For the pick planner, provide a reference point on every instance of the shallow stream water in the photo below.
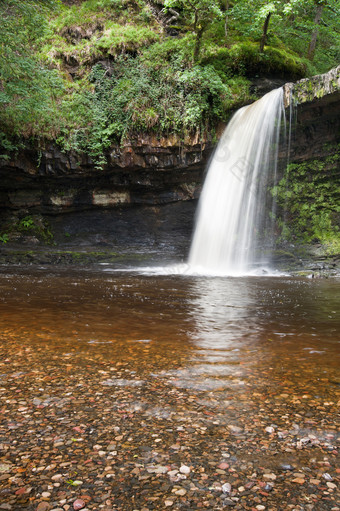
(226, 319)
(192, 355)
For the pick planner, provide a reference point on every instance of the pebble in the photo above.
(268, 487)
(235, 429)
(298, 480)
(119, 426)
(327, 476)
(269, 477)
(287, 467)
(184, 469)
(56, 477)
(181, 492)
(78, 504)
(43, 506)
(226, 488)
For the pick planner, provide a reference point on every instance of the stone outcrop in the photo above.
(146, 171)
(324, 87)
(314, 105)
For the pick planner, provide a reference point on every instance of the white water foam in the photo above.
(190, 271)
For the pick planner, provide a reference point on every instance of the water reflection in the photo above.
(247, 321)
(221, 309)
(214, 326)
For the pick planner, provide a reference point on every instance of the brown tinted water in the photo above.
(181, 357)
(224, 320)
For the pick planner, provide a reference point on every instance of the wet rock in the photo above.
(269, 477)
(184, 469)
(43, 506)
(268, 487)
(298, 480)
(327, 477)
(286, 467)
(78, 504)
(228, 502)
(226, 488)
(236, 430)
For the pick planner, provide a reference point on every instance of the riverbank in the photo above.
(301, 260)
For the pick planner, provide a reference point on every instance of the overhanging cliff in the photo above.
(315, 112)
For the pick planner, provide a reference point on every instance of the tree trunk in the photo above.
(226, 19)
(317, 19)
(264, 33)
(199, 33)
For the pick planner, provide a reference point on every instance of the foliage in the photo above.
(97, 71)
(244, 59)
(199, 14)
(133, 98)
(119, 39)
(292, 24)
(4, 238)
(29, 225)
(28, 91)
(308, 197)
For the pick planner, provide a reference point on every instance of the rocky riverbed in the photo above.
(118, 429)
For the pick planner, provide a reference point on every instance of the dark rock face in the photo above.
(146, 193)
(53, 182)
(317, 127)
(315, 105)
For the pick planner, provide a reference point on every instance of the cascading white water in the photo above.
(233, 224)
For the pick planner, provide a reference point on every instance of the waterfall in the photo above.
(234, 229)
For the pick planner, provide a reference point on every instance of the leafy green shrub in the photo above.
(28, 91)
(170, 54)
(4, 238)
(135, 98)
(87, 12)
(35, 225)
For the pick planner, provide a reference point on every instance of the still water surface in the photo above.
(208, 329)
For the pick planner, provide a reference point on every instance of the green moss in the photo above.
(308, 199)
(30, 225)
(244, 58)
(117, 39)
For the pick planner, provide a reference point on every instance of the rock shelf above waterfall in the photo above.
(326, 86)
